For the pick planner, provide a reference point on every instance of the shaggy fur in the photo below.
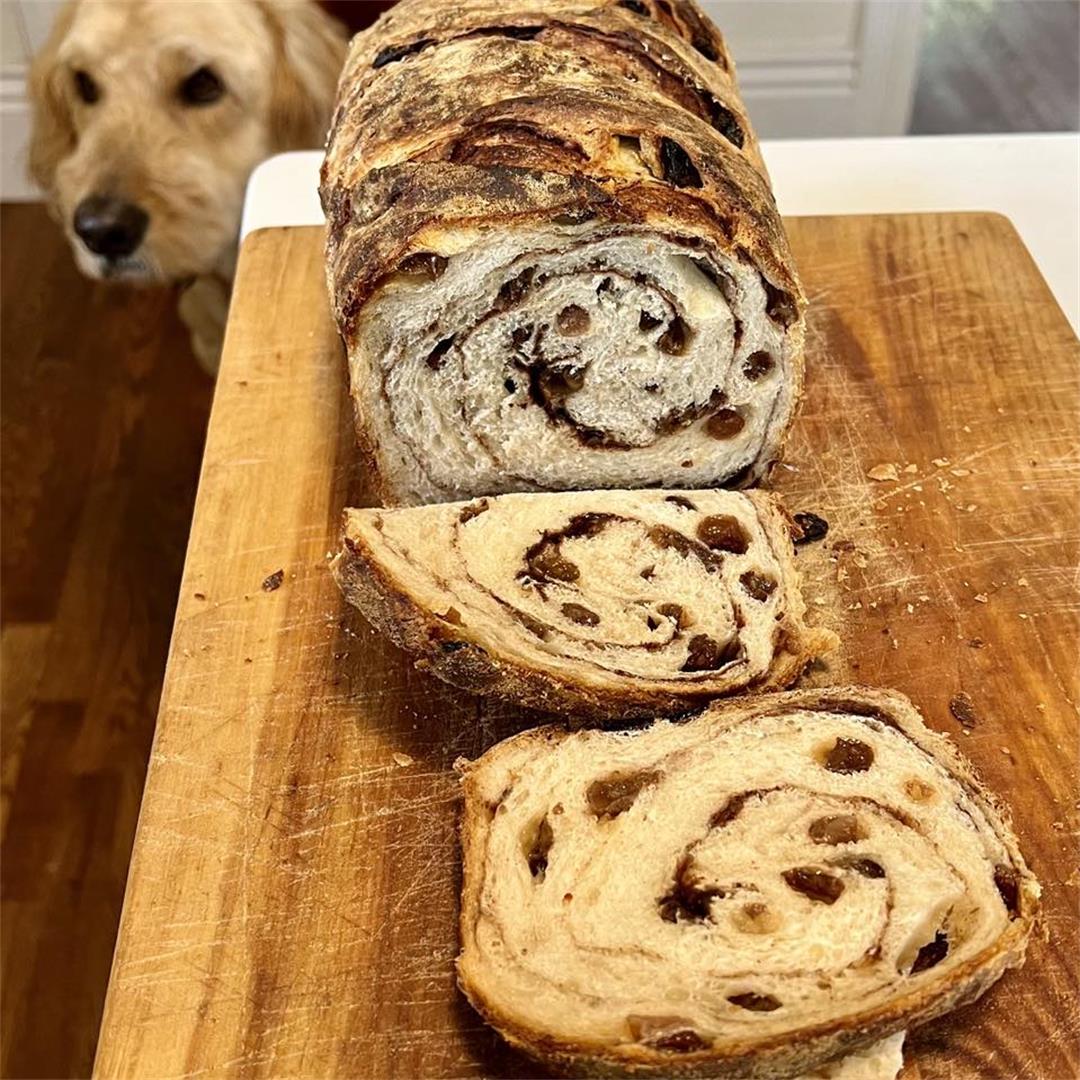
(186, 165)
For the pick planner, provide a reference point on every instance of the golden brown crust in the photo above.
(786, 1055)
(450, 654)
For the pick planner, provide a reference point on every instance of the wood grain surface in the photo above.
(292, 899)
(102, 413)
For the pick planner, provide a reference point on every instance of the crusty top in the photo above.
(477, 114)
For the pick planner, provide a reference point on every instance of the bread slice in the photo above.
(553, 252)
(776, 883)
(606, 604)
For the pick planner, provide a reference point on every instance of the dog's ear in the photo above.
(309, 51)
(53, 134)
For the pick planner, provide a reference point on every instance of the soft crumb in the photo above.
(970, 507)
(402, 759)
(960, 472)
(1023, 615)
(917, 487)
(940, 462)
(912, 468)
(883, 472)
(911, 609)
(1005, 750)
(966, 428)
(1022, 582)
(982, 598)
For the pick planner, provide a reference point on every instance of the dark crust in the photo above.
(783, 1055)
(447, 652)
(520, 133)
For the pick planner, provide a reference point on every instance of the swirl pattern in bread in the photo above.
(601, 603)
(754, 892)
(553, 251)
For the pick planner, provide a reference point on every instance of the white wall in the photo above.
(807, 68)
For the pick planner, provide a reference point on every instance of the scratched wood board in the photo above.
(292, 898)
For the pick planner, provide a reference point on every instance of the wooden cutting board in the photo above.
(292, 899)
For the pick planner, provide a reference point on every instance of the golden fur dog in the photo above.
(149, 116)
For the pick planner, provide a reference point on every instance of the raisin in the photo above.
(759, 586)
(756, 918)
(548, 564)
(722, 532)
(918, 790)
(675, 338)
(648, 572)
(706, 48)
(424, 264)
(474, 509)
(636, 6)
(573, 320)
(707, 654)
(963, 708)
(666, 1033)
(755, 1002)
(675, 612)
(1007, 881)
(678, 167)
(725, 424)
(779, 305)
(515, 290)
(647, 322)
(273, 581)
(837, 829)
(436, 356)
(931, 954)
(534, 626)
(723, 119)
(521, 334)
(811, 527)
(756, 365)
(818, 885)
(537, 849)
(581, 615)
(615, 794)
(687, 900)
(392, 53)
(849, 756)
(680, 501)
(869, 868)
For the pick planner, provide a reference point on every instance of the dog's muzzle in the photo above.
(110, 227)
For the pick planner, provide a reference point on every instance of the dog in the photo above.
(149, 116)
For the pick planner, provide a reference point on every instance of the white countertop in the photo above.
(1032, 179)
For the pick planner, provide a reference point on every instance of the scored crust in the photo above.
(632, 616)
(494, 167)
(549, 766)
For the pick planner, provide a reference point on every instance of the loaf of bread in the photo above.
(776, 883)
(604, 604)
(553, 252)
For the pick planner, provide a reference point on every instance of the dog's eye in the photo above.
(86, 88)
(201, 87)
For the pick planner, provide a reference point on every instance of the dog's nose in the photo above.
(109, 226)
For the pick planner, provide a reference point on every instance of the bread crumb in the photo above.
(883, 472)
(1022, 582)
(940, 462)
(970, 507)
(916, 487)
(1005, 750)
(982, 598)
(912, 468)
(402, 759)
(960, 472)
(1023, 615)
(966, 428)
(911, 609)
